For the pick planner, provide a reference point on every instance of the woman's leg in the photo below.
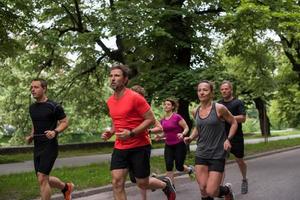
(201, 172)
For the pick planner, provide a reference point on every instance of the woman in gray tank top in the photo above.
(212, 143)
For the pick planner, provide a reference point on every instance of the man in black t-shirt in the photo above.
(48, 119)
(236, 107)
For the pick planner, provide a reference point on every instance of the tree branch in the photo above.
(73, 19)
(79, 17)
(209, 11)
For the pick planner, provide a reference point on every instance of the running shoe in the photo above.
(68, 193)
(230, 195)
(169, 190)
(191, 172)
(244, 186)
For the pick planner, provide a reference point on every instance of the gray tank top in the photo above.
(212, 135)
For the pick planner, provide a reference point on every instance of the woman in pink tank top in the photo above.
(174, 130)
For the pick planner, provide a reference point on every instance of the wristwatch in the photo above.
(131, 134)
(56, 132)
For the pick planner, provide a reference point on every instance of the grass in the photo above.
(11, 158)
(274, 133)
(96, 175)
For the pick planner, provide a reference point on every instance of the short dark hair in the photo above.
(228, 83)
(42, 81)
(124, 68)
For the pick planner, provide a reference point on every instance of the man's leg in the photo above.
(243, 167)
(66, 188)
(45, 188)
(56, 183)
(118, 182)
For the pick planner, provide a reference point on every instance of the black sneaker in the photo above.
(230, 195)
(169, 190)
(244, 186)
(191, 172)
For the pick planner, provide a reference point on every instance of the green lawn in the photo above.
(11, 158)
(96, 175)
(274, 133)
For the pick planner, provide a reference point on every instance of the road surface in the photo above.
(276, 176)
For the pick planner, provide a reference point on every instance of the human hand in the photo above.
(187, 140)
(123, 134)
(29, 139)
(180, 136)
(157, 137)
(227, 145)
(50, 134)
(106, 135)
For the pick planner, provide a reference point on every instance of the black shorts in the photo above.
(175, 153)
(44, 159)
(237, 148)
(217, 165)
(136, 160)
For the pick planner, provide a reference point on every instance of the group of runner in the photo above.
(217, 129)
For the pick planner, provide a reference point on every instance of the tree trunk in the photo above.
(264, 121)
(183, 110)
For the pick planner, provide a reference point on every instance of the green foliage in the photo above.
(287, 97)
(169, 45)
(251, 125)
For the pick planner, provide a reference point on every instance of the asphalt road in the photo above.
(276, 176)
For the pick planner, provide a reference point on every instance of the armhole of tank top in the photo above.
(215, 108)
(196, 113)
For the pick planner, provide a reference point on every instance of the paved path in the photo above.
(27, 166)
(270, 177)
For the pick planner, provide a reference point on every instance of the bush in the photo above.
(251, 125)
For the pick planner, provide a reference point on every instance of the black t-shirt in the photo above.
(236, 107)
(44, 116)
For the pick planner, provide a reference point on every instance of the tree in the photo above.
(168, 44)
(251, 20)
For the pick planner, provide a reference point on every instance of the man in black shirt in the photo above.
(236, 107)
(48, 119)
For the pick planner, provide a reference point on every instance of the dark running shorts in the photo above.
(44, 160)
(217, 165)
(237, 149)
(136, 160)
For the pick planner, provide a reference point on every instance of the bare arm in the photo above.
(240, 118)
(29, 138)
(194, 135)
(185, 127)
(62, 125)
(148, 121)
(157, 128)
